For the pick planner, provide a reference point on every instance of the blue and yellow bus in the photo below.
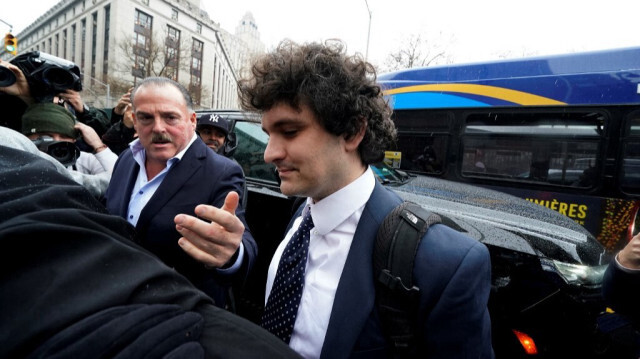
(561, 131)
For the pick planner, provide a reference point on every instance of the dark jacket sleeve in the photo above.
(236, 181)
(621, 291)
(458, 293)
(118, 137)
(96, 119)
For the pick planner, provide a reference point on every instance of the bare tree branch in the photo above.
(416, 51)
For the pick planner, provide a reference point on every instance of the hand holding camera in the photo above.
(123, 102)
(39, 76)
(13, 82)
(73, 98)
(90, 137)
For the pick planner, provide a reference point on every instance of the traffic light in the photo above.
(11, 44)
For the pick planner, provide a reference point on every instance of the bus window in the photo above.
(422, 153)
(424, 121)
(423, 138)
(546, 148)
(630, 176)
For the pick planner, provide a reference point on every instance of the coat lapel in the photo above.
(355, 295)
(126, 183)
(173, 182)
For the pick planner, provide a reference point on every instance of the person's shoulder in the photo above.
(220, 162)
(125, 155)
(125, 159)
(381, 202)
(444, 241)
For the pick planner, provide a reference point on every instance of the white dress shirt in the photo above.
(335, 219)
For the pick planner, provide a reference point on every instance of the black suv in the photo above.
(546, 269)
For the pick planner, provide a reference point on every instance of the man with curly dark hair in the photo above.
(327, 120)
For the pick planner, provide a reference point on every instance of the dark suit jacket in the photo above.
(201, 177)
(453, 273)
(621, 291)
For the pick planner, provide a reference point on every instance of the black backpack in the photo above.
(397, 242)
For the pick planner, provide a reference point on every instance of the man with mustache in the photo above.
(168, 170)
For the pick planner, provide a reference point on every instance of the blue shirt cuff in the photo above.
(237, 264)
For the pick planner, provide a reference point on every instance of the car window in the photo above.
(252, 142)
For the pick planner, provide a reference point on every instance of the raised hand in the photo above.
(215, 236)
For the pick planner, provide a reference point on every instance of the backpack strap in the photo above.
(397, 243)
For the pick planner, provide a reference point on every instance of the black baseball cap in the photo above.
(214, 120)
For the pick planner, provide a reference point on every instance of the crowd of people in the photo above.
(137, 230)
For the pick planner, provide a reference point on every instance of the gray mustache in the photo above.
(160, 138)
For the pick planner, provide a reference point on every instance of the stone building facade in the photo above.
(118, 42)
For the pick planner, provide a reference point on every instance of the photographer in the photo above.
(121, 133)
(91, 116)
(47, 124)
(42, 77)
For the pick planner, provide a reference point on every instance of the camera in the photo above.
(46, 74)
(65, 152)
(7, 78)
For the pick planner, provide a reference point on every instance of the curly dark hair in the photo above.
(340, 90)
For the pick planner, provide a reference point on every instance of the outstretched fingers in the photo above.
(215, 236)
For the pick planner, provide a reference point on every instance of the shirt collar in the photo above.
(334, 209)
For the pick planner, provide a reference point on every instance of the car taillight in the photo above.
(527, 342)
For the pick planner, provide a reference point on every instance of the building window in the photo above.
(105, 55)
(141, 43)
(83, 42)
(172, 53)
(174, 14)
(199, 28)
(73, 42)
(198, 46)
(94, 43)
(195, 83)
(64, 43)
(143, 20)
(173, 34)
(55, 45)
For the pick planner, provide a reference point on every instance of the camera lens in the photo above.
(58, 79)
(7, 78)
(65, 152)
